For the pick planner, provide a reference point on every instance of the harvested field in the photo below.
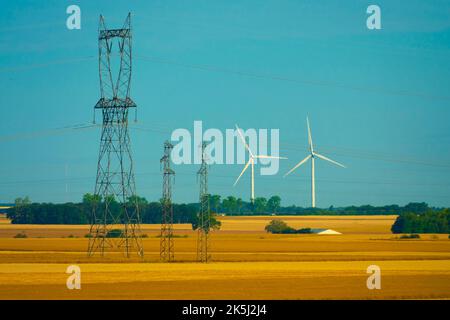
(261, 265)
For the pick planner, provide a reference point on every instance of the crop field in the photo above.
(3, 219)
(247, 263)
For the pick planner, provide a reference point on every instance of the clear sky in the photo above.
(378, 100)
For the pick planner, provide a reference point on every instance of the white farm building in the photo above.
(324, 231)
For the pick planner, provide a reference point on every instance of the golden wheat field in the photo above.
(247, 263)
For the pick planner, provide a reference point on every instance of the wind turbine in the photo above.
(251, 161)
(312, 155)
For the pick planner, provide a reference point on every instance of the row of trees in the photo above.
(26, 212)
(413, 217)
(425, 222)
(236, 206)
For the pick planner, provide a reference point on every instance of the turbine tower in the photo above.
(312, 155)
(251, 161)
(115, 205)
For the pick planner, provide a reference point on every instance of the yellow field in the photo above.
(343, 224)
(3, 219)
(247, 263)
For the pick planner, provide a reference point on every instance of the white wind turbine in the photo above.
(312, 155)
(251, 161)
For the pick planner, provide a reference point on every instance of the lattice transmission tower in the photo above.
(166, 247)
(204, 215)
(115, 216)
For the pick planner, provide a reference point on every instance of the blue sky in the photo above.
(378, 101)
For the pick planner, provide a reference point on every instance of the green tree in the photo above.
(114, 207)
(399, 224)
(21, 212)
(140, 201)
(230, 204)
(274, 204)
(416, 207)
(428, 222)
(91, 199)
(214, 224)
(278, 226)
(215, 202)
(239, 204)
(260, 205)
(22, 201)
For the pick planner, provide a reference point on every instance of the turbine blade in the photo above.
(311, 148)
(242, 172)
(328, 159)
(243, 140)
(298, 165)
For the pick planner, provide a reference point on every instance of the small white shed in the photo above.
(324, 231)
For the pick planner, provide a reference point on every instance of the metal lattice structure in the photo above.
(204, 215)
(117, 206)
(166, 247)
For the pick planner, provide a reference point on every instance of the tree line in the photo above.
(27, 212)
(262, 206)
(430, 221)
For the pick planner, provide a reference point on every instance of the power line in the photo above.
(368, 155)
(192, 173)
(45, 64)
(43, 133)
(342, 151)
(217, 69)
(48, 132)
(284, 189)
(324, 41)
(347, 152)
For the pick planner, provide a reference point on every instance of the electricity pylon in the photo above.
(115, 205)
(204, 215)
(166, 247)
